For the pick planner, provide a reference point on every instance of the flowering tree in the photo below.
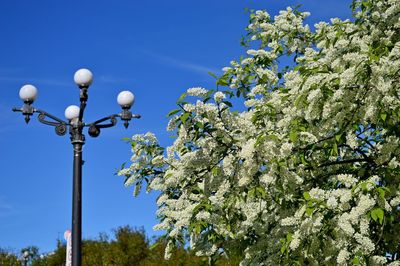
(309, 173)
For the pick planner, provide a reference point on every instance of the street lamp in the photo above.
(26, 257)
(75, 125)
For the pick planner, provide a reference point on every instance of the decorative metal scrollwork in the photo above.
(60, 125)
(61, 129)
(41, 117)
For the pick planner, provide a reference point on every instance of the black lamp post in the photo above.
(75, 125)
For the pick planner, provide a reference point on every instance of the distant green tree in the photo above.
(96, 252)
(128, 247)
(55, 258)
(8, 258)
(180, 256)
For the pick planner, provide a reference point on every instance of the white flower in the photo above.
(197, 91)
(317, 193)
(347, 180)
(203, 215)
(395, 202)
(295, 243)
(259, 89)
(219, 96)
(267, 179)
(343, 257)
(250, 103)
(248, 149)
(351, 140)
(125, 171)
(289, 221)
(367, 245)
(286, 148)
(379, 260)
(332, 202)
(168, 250)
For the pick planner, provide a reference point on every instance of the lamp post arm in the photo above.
(112, 119)
(97, 123)
(94, 127)
(43, 114)
(59, 125)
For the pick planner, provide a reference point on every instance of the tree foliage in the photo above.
(7, 258)
(307, 172)
(128, 247)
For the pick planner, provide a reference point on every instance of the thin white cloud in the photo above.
(5, 208)
(36, 81)
(175, 62)
(113, 79)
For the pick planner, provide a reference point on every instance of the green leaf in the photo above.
(293, 136)
(182, 97)
(184, 116)
(173, 112)
(137, 189)
(337, 137)
(334, 151)
(383, 116)
(381, 192)
(303, 159)
(283, 249)
(261, 191)
(356, 261)
(374, 57)
(260, 139)
(299, 100)
(199, 125)
(309, 211)
(306, 196)
(196, 190)
(251, 193)
(377, 214)
(272, 137)
(228, 103)
(206, 99)
(222, 81)
(212, 75)
(215, 171)
(154, 245)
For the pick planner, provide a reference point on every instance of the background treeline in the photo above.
(129, 247)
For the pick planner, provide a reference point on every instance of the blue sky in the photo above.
(156, 49)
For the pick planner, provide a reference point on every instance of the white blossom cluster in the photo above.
(309, 174)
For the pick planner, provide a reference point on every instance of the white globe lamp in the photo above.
(83, 77)
(126, 99)
(72, 112)
(28, 93)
